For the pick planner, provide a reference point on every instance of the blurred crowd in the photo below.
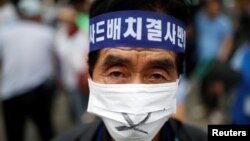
(44, 47)
(217, 56)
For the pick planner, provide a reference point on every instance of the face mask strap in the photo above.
(133, 126)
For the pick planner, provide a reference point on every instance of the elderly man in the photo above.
(136, 56)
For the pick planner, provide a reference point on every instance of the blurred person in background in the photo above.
(7, 13)
(240, 101)
(240, 107)
(72, 50)
(27, 86)
(214, 40)
(214, 32)
(52, 9)
(82, 13)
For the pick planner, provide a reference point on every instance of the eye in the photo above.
(116, 74)
(157, 76)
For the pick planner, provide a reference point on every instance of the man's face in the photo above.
(135, 65)
(213, 8)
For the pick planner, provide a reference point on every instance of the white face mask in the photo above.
(133, 112)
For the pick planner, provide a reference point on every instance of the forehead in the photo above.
(137, 53)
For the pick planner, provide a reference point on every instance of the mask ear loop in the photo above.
(133, 126)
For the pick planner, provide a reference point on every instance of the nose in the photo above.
(136, 79)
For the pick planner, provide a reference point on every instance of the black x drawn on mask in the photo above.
(133, 126)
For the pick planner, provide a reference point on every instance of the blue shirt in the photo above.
(210, 34)
(240, 110)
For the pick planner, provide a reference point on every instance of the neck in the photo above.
(157, 137)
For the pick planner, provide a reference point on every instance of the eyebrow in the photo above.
(165, 64)
(112, 60)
